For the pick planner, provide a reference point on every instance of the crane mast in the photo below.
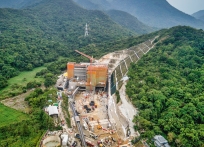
(91, 61)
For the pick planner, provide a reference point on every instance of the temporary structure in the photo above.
(52, 110)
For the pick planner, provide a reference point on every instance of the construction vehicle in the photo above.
(99, 127)
(100, 143)
(85, 125)
(94, 136)
(89, 143)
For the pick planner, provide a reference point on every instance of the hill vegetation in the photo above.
(167, 87)
(41, 33)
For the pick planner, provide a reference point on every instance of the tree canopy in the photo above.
(167, 87)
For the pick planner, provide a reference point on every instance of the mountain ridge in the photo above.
(199, 15)
(129, 21)
(157, 13)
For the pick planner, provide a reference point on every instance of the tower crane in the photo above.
(87, 56)
(91, 61)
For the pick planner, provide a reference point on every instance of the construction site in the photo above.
(96, 118)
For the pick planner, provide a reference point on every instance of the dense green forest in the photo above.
(166, 85)
(41, 33)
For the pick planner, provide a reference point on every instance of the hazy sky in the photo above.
(188, 6)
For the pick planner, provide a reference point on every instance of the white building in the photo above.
(52, 110)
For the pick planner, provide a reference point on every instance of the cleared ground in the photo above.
(18, 102)
(9, 115)
(21, 80)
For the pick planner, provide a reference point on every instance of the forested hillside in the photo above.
(43, 32)
(166, 85)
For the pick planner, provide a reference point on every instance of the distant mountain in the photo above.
(129, 21)
(123, 18)
(199, 15)
(94, 4)
(88, 4)
(157, 13)
(202, 18)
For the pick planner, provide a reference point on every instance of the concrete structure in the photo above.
(87, 75)
(62, 82)
(160, 141)
(51, 141)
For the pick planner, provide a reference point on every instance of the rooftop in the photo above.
(160, 139)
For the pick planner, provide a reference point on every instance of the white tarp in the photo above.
(52, 110)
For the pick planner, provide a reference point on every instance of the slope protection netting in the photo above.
(133, 53)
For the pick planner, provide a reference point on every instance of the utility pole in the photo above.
(86, 31)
